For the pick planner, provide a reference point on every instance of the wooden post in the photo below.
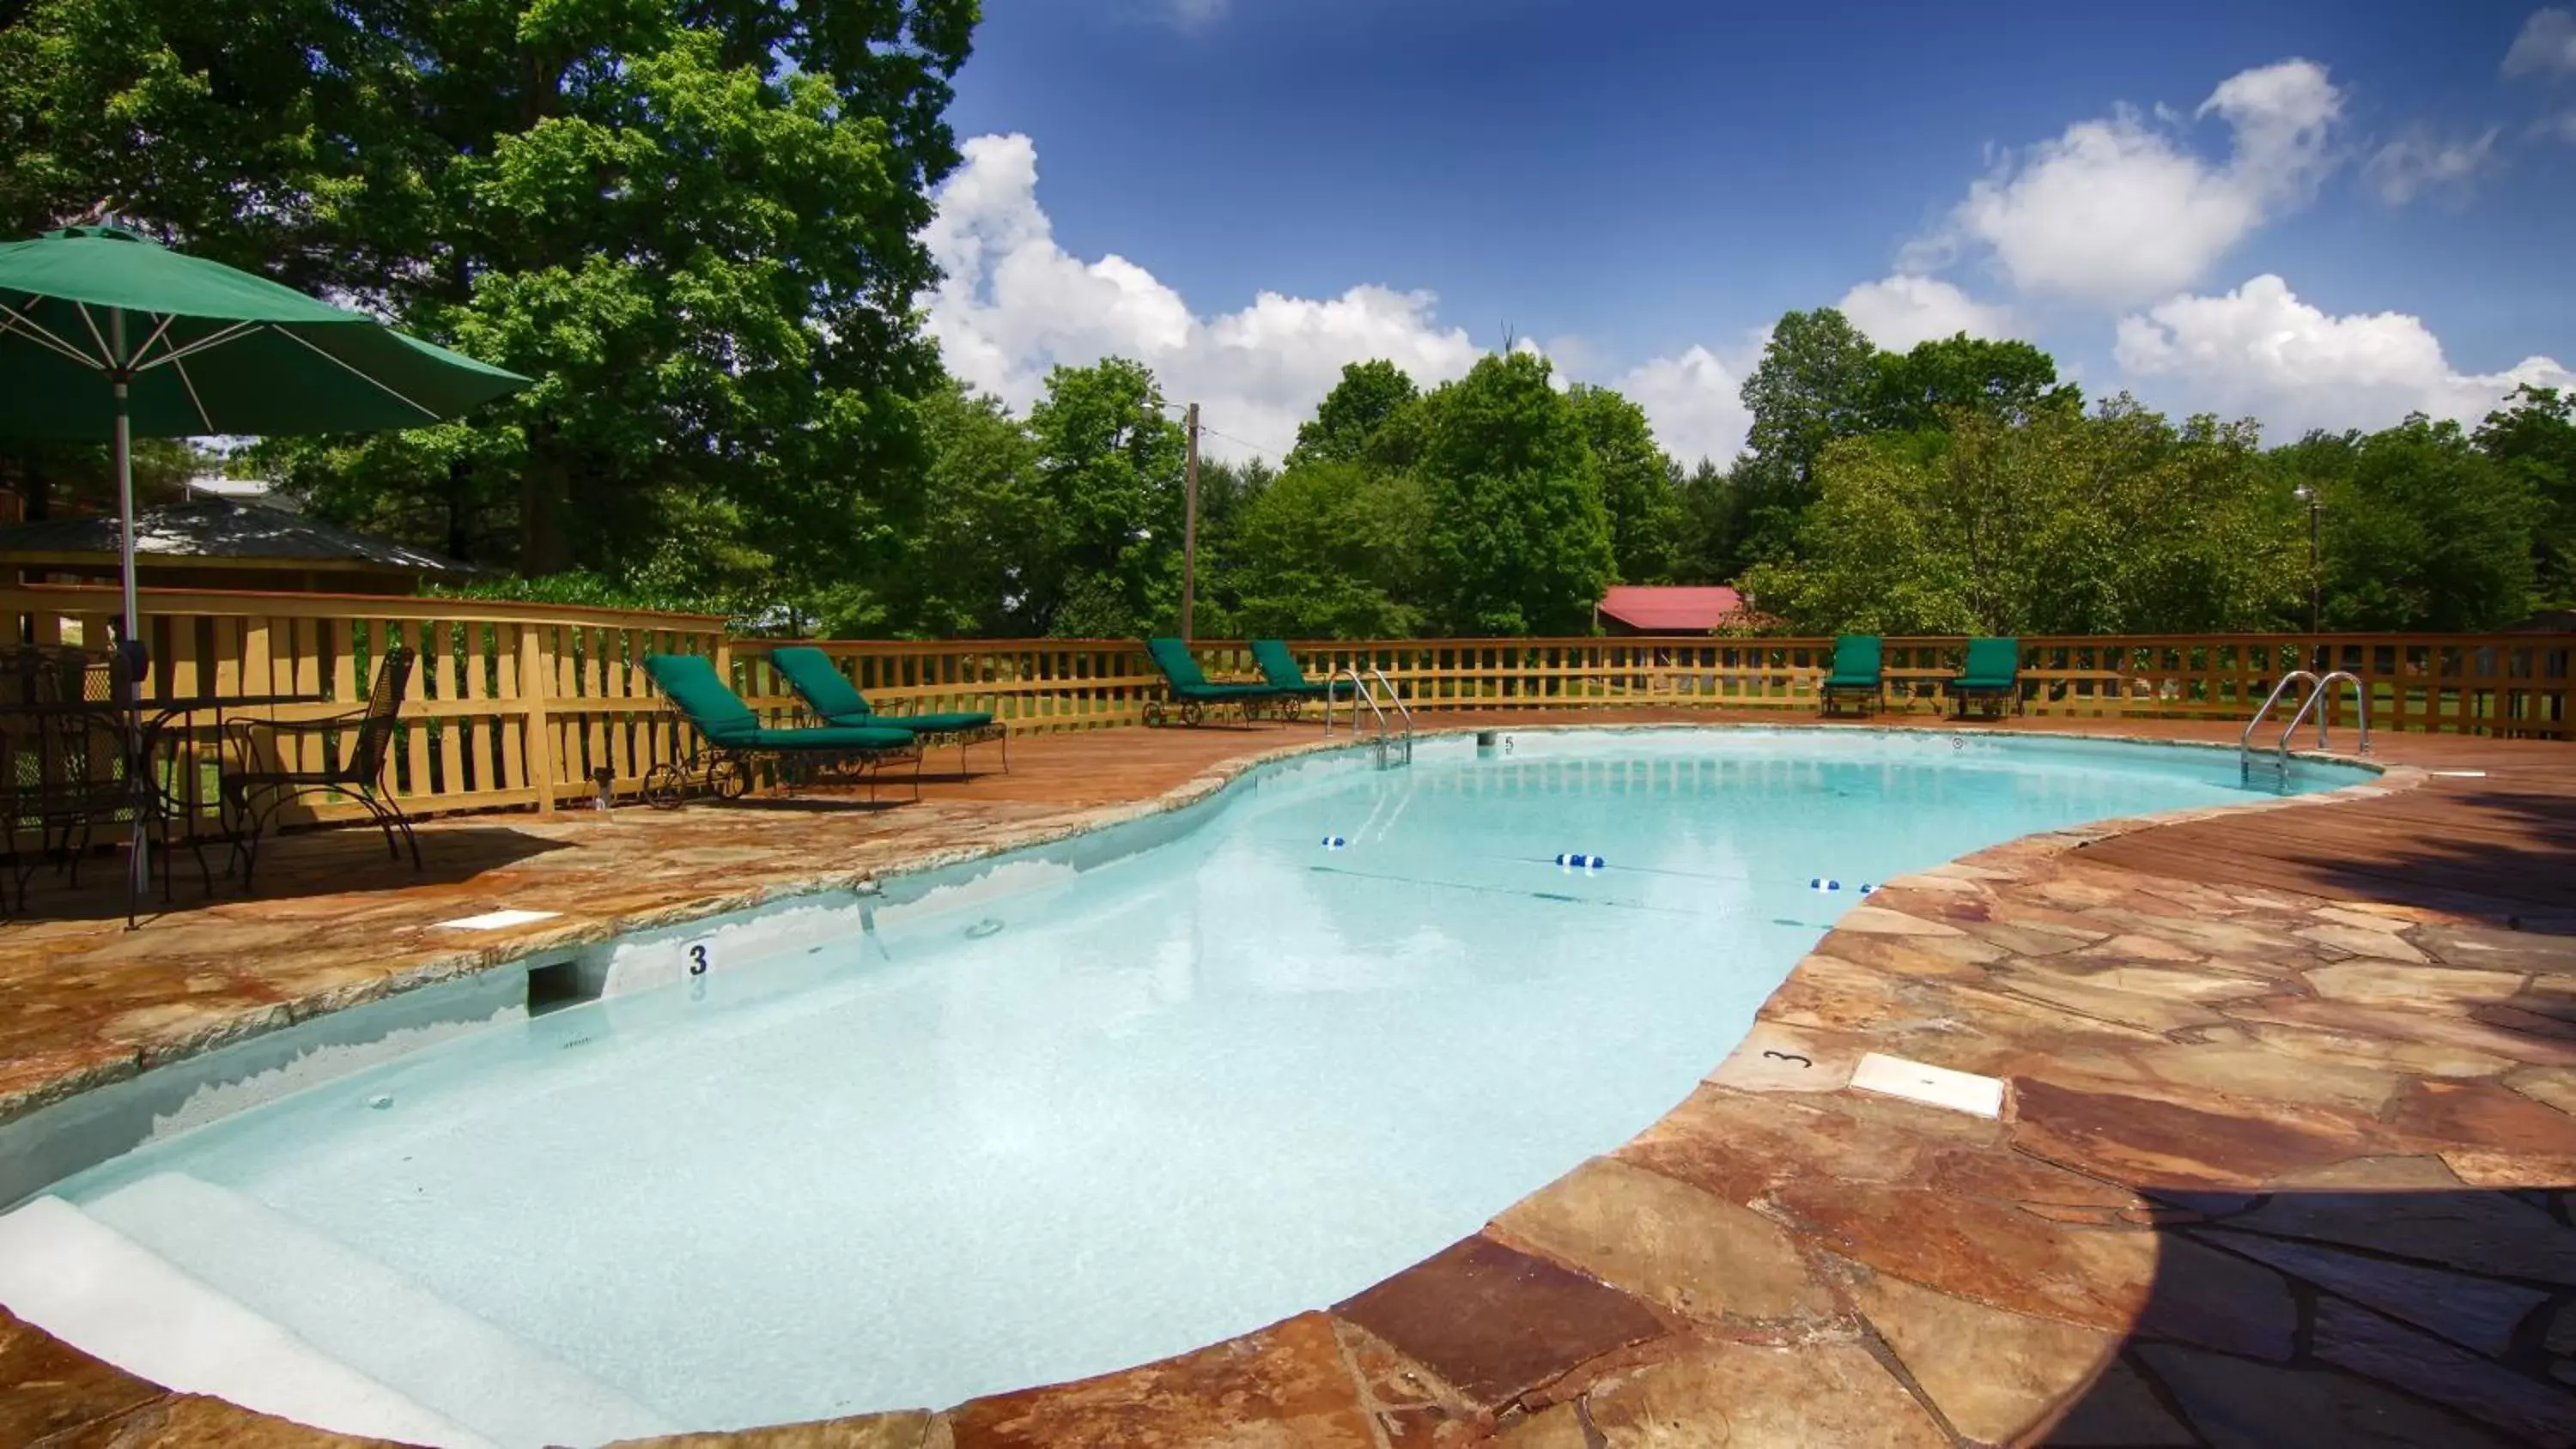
(536, 680)
(1190, 531)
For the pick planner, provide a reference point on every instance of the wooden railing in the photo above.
(2515, 684)
(516, 704)
(510, 704)
(2511, 684)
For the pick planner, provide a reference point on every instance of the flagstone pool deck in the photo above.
(2285, 1155)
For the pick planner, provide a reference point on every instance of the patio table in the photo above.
(155, 721)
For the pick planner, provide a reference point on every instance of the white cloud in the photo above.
(1694, 402)
(2560, 127)
(2260, 350)
(2417, 164)
(2117, 210)
(1899, 311)
(1015, 304)
(2546, 46)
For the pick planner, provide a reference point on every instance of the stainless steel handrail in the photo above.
(2325, 691)
(1362, 693)
(1403, 711)
(2245, 741)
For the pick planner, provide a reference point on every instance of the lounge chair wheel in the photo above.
(1289, 709)
(663, 785)
(1192, 712)
(727, 779)
(1153, 714)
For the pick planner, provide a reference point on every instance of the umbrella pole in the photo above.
(138, 771)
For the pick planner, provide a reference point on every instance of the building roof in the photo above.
(1671, 608)
(224, 529)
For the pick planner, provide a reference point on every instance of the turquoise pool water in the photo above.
(1075, 1119)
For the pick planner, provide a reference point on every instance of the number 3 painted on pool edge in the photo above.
(698, 959)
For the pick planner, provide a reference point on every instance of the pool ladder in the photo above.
(2320, 691)
(1392, 749)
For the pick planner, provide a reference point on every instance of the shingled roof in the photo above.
(224, 528)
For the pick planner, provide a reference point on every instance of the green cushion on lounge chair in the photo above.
(1992, 664)
(1856, 662)
(1280, 668)
(829, 693)
(690, 682)
(1188, 681)
(827, 737)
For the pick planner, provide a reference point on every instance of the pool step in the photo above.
(379, 1322)
(91, 1286)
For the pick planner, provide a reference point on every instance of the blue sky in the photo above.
(2317, 214)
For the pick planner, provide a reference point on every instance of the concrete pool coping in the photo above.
(1801, 1260)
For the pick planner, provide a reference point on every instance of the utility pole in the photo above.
(2316, 565)
(1190, 527)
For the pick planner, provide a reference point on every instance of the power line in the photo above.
(1261, 448)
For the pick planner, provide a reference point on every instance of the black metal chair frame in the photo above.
(1992, 700)
(724, 771)
(252, 798)
(70, 746)
(996, 732)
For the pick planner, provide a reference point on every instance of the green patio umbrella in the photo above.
(104, 335)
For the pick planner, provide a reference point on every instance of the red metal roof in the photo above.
(1670, 608)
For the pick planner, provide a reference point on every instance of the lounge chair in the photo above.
(1856, 672)
(734, 738)
(836, 701)
(1281, 670)
(1992, 677)
(1192, 693)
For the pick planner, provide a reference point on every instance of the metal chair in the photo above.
(65, 760)
(253, 797)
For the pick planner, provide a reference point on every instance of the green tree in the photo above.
(986, 531)
(2059, 523)
(2421, 530)
(1519, 542)
(1715, 520)
(2006, 380)
(1109, 478)
(695, 222)
(1351, 415)
(1817, 381)
(1636, 484)
(2535, 439)
(1333, 550)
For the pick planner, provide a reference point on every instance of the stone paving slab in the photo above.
(2276, 1167)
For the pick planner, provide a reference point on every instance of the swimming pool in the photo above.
(1057, 1113)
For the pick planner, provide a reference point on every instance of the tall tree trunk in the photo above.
(543, 547)
(460, 511)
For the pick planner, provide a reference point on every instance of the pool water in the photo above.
(1010, 1138)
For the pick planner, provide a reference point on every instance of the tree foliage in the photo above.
(694, 222)
(1333, 550)
(1109, 465)
(1349, 419)
(1519, 541)
(2059, 524)
(2420, 530)
(1636, 484)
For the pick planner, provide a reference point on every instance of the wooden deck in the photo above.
(2287, 1156)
